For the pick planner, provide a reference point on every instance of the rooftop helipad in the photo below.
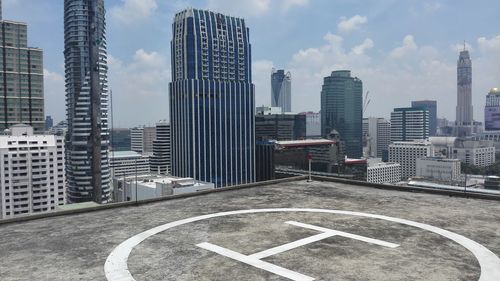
(286, 231)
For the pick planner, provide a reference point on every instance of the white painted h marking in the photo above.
(255, 259)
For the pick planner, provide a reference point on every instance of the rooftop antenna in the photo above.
(464, 45)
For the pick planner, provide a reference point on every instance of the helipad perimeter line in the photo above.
(116, 268)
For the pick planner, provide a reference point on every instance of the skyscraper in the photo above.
(87, 139)
(281, 90)
(431, 106)
(377, 134)
(212, 99)
(160, 160)
(409, 123)
(492, 111)
(21, 78)
(464, 119)
(341, 110)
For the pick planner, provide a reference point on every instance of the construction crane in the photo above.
(366, 102)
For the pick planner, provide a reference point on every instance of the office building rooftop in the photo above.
(294, 230)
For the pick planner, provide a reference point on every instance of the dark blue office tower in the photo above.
(212, 99)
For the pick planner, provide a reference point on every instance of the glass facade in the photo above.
(212, 99)
(21, 78)
(281, 90)
(341, 110)
(87, 139)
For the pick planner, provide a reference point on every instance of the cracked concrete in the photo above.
(75, 247)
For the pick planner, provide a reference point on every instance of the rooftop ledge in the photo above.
(287, 229)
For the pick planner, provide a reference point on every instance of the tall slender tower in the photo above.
(21, 78)
(341, 110)
(212, 100)
(464, 120)
(281, 90)
(87, 139)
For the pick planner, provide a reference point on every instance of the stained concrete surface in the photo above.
(75, 247)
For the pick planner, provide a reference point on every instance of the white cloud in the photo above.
(347, 25)
(432, 7)
(131, 11)
(140, 86)
(261, 73)
(288, 4)
(489, 45)
(240, 8)
(408, 72)
(54, 95)
(360, 49)
(408, 46)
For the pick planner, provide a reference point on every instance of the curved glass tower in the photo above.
(281, 90)
(212, 101)
(87, 139)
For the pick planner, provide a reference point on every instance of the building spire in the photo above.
(464, 41)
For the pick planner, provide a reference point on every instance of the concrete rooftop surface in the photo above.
(286, 231)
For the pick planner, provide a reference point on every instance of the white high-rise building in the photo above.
(377, 136)
(31, 172)
(160, 160)
(383, 172)
(128, 163)
(406, 153)
(409, 123)
(439, 168)
(141, 139)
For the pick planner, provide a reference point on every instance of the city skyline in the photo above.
(418, 63)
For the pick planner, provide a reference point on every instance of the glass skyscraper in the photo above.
(341, 110)
(212, 100)
(21, 78)
(281, 90)
(87, 139)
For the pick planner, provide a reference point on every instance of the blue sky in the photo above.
(403, 50)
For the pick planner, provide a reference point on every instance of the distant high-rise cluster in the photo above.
(341, 110)
(87, 139)
(281, 90)
(212, 100)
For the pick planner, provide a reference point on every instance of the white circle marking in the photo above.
(116, 268)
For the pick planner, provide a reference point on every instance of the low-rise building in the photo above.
(492, 182)
(476, 153)
(406, 153)
(151, 186)
(128, 163)
(439, 169)
(326, 154)
(383, 172)
(280, 127)
(31, 172)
